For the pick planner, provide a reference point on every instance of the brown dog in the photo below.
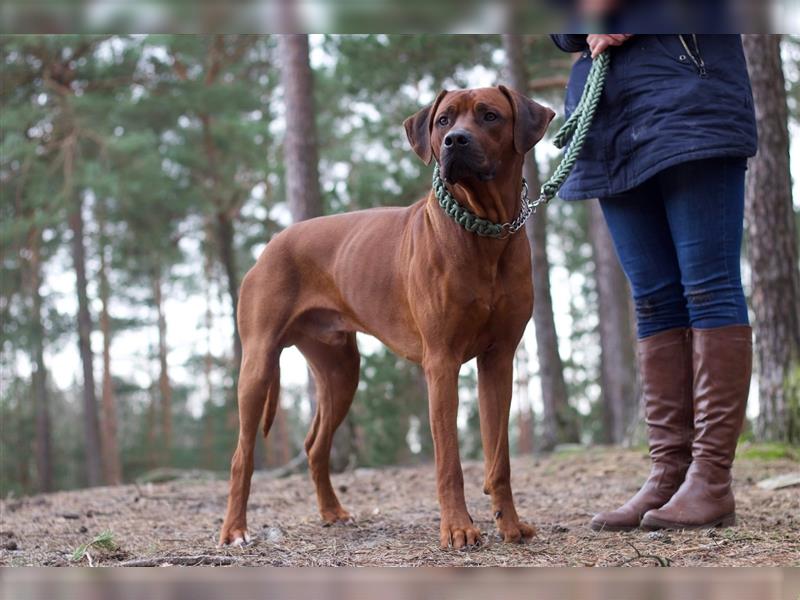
(429, 289)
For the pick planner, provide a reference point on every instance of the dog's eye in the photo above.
(443, 120)
(490, 116)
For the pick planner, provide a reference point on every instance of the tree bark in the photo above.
(41, 397)
(111, 459)
(152, 420)
(164, 386)
(559, 424)
(620, 394)
(208, 359)
(91, 422)
(302, 176)
(772, 247)
(225, 238)
(300, 141)
(525, 414)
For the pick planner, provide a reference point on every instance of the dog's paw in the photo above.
(459, 535)
(334, 515)
(235, 537)
(515, 531)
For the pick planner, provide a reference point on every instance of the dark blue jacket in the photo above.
(662, 105)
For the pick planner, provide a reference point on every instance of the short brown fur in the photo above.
(431, 291)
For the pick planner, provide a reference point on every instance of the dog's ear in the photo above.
(531, 119)
(418, 129)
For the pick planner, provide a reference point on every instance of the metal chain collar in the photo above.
(475, 224)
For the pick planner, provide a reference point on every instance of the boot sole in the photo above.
(607, 527)
(654, 523)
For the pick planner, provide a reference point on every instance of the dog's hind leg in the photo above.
(259, 381)
(335, 368)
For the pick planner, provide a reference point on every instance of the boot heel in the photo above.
(728, 520)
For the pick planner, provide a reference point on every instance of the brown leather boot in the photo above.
(665, 360)
(723, 359)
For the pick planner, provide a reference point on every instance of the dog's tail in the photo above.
(273, 396)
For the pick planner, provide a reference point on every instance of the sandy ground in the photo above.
(397, 520)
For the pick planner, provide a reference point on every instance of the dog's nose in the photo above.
(457, 137)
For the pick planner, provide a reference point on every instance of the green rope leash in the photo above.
(575, 129)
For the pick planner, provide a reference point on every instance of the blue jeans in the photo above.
(678, 237)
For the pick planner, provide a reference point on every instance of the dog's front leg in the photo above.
(456, 526)
(495, 379)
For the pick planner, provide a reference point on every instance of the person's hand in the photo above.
(600, 41)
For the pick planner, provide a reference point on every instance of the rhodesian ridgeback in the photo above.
(431, 290)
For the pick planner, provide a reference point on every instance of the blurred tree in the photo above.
(558, 426)
(302, 178)
(772, 247)
(618, 370)
(387, 398)
(113, 467)
(73, 141)
(525, 420)
(24, 239)
(301, 159)
(217, 97)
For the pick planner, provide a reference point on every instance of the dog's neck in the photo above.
(498, 200)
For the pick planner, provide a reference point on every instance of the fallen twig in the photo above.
(186, 561)
(661, 560)
(712, 546)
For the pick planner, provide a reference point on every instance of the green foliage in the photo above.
(389, 402)
(767, 451)
(103, 542)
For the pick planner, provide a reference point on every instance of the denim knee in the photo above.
(717, 305)
(660, 311)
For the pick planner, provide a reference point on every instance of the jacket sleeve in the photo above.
(570, 42)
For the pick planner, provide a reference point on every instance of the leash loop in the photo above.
(576, 128)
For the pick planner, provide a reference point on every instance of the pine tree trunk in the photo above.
(152, 425)
(91, 422)
(772, 247)
(423, 413)
(22, 441)
(111, 458)
(525, 414)
(164, 386)
(41, 397)
(208, 360)
(618, 368)
(559, 423)
(300, 141)
(302, 177)
(225, 237)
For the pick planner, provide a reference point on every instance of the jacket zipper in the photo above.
(697, 59)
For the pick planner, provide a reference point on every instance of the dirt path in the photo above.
(397, 520)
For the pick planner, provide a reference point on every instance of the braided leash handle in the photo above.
(576, 128)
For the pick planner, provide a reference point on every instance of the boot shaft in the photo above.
(665, 361)
(722, 361)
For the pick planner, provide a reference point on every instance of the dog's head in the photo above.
(474, 133)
